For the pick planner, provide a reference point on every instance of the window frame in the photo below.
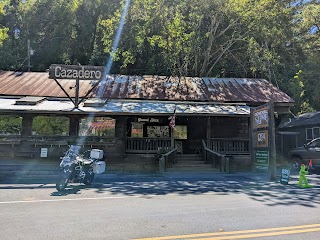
(312, 133)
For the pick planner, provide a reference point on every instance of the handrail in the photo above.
(215, 158)
(168, 153)
(209, 150)
(167, 160)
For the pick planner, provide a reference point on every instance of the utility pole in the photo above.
(29, 54)
(29, 60)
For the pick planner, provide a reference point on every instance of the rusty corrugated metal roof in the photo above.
(148, 87)
(37, 84)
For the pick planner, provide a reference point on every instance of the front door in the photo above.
(196, 131)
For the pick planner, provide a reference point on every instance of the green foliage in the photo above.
(307, 29)
(268, 39)
(10, 124)
(297, 89)
(44, 125)
(305, 108)
(3, 29)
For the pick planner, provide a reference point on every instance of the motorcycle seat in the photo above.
(85, 161)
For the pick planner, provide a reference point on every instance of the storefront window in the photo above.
(158, 131)
(180, 132)
(137, 129)
(97, 126)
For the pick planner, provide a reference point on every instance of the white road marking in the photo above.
(104, 198)
(68, 199)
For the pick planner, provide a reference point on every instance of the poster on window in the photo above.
(137, 129)
(158, 131)
(180, 132)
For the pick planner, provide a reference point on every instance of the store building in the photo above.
(131, 119)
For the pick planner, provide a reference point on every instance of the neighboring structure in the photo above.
(130, 120)
(297, 131)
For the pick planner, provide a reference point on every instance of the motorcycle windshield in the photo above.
(66, 161)
(75, 149)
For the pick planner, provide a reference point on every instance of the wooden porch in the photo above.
(213, 152)
(228, 146)
(220, 153)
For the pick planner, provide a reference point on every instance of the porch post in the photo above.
(27, 120)
(251, 142)
(74, 125)
(172, 139)
(273, 157)
(208, 132)
(121, 134)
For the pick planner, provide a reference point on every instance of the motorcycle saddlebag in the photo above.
(99, 167)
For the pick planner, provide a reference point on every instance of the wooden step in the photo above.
(188, 158)
(191, 163)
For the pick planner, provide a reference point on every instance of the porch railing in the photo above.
(38, 140)
(215, 159)
(230, 145)
(147, 145)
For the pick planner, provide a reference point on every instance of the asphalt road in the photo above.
(153, 208)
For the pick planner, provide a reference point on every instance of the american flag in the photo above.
(172, 119)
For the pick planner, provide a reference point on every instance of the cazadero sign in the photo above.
(57, 71)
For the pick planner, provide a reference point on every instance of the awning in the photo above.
(181, 108)
(127, 107)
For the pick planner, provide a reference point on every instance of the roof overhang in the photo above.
(126, 107)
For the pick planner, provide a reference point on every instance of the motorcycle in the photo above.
(76, 168)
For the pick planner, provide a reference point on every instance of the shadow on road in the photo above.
(266, 192)
(269, 193)
(69, 190)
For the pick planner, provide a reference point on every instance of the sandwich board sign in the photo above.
(285, 175)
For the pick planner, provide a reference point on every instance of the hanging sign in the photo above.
(260, 118)
(263, 146)
(262, 139)
(57, 71)
(262, 157)
(152, 120)
(262, 160)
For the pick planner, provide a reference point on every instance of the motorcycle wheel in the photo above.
(62, 183)
(88, 179)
